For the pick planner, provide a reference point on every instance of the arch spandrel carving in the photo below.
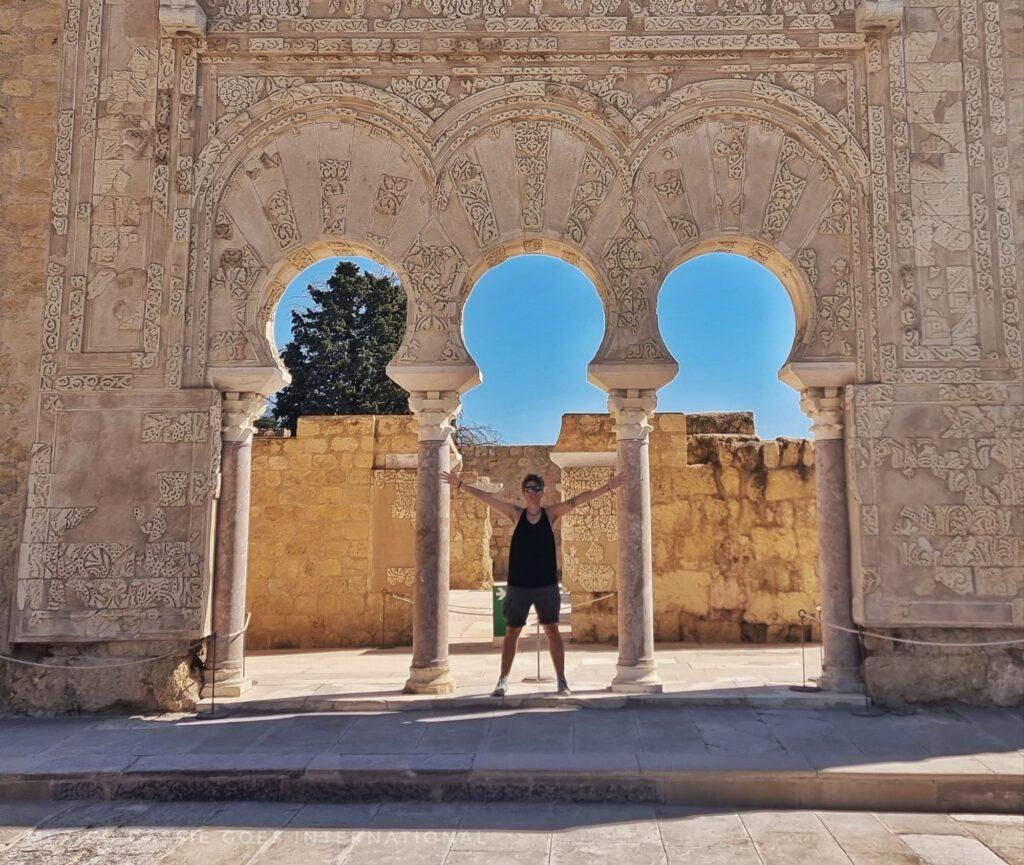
(323, 185)
(739, 182)
(522, 177)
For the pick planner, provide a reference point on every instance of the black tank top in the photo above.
(531, 556)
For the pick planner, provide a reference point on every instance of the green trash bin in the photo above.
(497, 602)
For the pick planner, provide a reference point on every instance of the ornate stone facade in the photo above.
(203, 151)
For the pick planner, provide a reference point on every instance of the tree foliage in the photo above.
(340, 347)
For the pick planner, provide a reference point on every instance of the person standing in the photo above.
(532, 566)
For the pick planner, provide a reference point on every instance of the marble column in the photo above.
(430, 672)
(231, 557)
(841, 662)
(635, 670)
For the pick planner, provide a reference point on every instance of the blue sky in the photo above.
(534, 322)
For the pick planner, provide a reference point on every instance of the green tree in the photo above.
(340, 347)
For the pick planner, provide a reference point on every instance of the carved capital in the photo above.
(879, 16)
(435, 411)
(824, 406)
(240, 410)
(631, 410)
(182, 19)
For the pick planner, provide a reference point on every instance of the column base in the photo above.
(636, 680)
(228, 684)
(842, 680)
(429, 680)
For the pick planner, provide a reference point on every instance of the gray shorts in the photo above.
(518, 600)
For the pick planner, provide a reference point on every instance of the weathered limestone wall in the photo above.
(311, 532)
(505, 466)
(29, 63)
(735, 554)
(735, 540)
(733, 530)
(32, 35)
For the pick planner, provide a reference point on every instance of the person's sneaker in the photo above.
(563, 687)
(499, 689)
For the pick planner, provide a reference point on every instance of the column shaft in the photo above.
(841, 664)
(430, 672)
(229, 571)
(226, 659)
(636, 670)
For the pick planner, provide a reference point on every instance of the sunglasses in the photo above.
(533, 489)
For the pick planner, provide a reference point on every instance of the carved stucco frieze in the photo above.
(114, 545)
(935, 472)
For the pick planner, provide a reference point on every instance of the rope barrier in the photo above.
(130, 663)
(467, 611)
(592, 601)
(804, 613)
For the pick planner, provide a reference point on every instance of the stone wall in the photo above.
(504, 467)
(735, 546)
(871, 158)
(30, 58)
(733, 530)
(311, 531)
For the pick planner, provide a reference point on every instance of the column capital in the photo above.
(824, 406)
(239, 410)
(434, 411)
(182, 19)
(631, 410)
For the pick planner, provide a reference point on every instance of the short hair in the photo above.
(535, 478)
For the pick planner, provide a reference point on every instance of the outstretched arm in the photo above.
(562, 508)
(493, 502)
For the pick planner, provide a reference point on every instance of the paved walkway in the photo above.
(352, 679)
(253, 833)
(945, 760)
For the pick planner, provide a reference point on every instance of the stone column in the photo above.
(841, 663)
(635, 671)
(430, 672)
(232, 545)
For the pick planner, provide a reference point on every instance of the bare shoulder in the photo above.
(558, 509)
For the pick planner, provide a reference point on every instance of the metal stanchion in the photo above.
(213, 677)
(803, 657)
(538, 677)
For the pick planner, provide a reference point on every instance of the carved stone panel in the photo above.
(115, 544)
(393, 545)
(936, 477)
(589, 533)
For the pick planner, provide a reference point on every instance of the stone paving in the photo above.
(474, 833)
(349, 679)
(944, 759)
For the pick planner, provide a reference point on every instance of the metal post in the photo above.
(538, 677)
(213, 679)
(870, 710)
(803, 656)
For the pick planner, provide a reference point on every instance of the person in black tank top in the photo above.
(532, 567)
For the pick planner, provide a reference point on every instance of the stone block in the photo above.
(717, 423)
(785, 485)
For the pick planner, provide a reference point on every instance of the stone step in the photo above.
(750, 781)
(398, 702)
